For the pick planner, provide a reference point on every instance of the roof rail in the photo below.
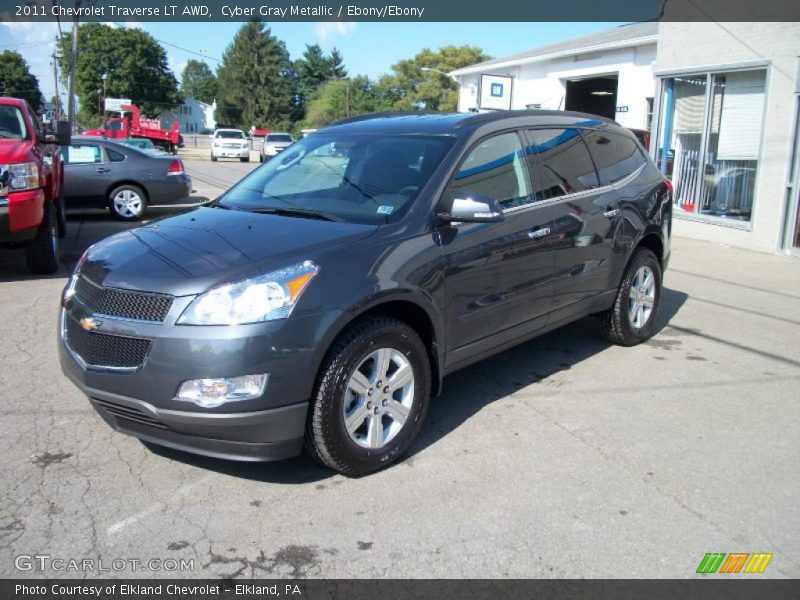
(501, 114)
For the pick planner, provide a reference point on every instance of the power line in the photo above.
(219, 60)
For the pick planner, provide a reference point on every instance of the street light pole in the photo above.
(448, 75)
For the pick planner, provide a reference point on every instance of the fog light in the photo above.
(210, 393)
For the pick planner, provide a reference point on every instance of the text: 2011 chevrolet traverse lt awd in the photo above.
(321, 300)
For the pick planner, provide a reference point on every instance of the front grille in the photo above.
(128, 413)
(105, 350)
(123, 303)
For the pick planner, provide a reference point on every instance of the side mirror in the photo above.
(474, 208)
(63, 135)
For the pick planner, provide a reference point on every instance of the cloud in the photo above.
(328, 30)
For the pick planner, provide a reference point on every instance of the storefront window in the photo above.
(709, 141)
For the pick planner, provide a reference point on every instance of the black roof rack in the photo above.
(503, 114)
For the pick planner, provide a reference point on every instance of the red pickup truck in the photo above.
(31, 175)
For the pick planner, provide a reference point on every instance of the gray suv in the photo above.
(320, 302)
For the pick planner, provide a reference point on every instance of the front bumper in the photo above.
(140, 401)
(230, 152)
(21, 214)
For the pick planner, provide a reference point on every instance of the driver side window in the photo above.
(495, 168)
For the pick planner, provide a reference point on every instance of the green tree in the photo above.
(415, 89)
(256, 80)
(314, 69)
(18, 79)
(135, 66)
(197, 81)
(338, 99)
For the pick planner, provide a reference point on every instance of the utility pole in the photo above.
(55, 82)
(73, 59)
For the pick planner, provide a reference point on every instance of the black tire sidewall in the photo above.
(43, 250)
(134, 188)
(364, 460)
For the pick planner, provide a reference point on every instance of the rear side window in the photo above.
(560, 163)
(615, 155)
(115, 156)
(496, 168)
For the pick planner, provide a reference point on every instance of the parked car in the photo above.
(273, 144)
(99, 173)
(230, 143)
(322, 299)
(144, 145)
(31, 175)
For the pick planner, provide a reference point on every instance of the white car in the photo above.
(273, 143)
(230, 143)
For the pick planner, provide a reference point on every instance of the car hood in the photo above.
(193, 252)
(15, 151)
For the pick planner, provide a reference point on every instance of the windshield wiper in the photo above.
(297, 212)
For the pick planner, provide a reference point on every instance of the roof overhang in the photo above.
(516, 62)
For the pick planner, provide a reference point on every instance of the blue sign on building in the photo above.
(497, 90)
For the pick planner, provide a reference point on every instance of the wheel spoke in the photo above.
(397, 411)
(359, 383)
(402, 377)
(383, 359)
(640, 316)
(356, 418)
(648, 281)
(648, 301)
(375, 432)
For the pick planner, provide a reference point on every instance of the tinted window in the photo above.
(83, 154)
(564, 163)
(233, 135)
(494, 168)
(615, 155)
(360, 178)
(115, 126)
(115, 156)
(279, 137)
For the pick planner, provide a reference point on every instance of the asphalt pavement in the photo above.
(563, 457)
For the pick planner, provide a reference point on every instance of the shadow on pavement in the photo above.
(496, 377)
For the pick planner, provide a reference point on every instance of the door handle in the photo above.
(611, 212)
(539, 233)
(102, 170)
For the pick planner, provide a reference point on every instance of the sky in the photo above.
(368, 48)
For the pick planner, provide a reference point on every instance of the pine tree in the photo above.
(255, 80)
(197, 81)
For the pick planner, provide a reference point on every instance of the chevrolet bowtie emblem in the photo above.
(89, 324)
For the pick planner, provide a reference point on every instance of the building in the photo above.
(727, 131)
(193, 116)
(609, 73)
(721, 102)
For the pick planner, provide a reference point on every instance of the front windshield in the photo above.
(12, 124)
(235, 135)
(352, 177)
(279, 137)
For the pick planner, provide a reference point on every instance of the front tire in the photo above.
(213, 158)
(41, 253)
(128, 202)
(631, 320)
(243, 159)
(371, 397)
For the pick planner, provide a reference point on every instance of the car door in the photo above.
(498, 276)
(86, 171)
(582, 225)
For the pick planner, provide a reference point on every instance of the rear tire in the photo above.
(41, 253)
(61, 217)
(383, 420)
(631, 320)
(128, 202)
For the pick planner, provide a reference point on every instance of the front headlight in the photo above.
(263, 298)
(23, 176)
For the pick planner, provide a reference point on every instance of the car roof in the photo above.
(11, 101)
(451, 123)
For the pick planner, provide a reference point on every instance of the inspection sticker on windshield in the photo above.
(385, 209)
